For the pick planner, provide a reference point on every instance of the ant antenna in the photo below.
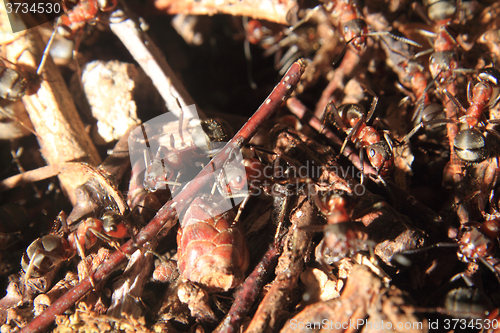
(371, 34)
(47, 49)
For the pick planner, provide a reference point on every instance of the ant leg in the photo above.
(240, 209)
(422, 53)
(455, 101)
(490, 267)
(426, 248)
(181, 123)
(108, 240)
(81, 253)
(398, 38)
(362, 162)
(13, 117)
(61, 217)
(31, 266)
(374, 102)
(248, 57)
(468, 281)
(391, 194)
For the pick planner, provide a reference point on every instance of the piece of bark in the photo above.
(128, 288)
(43, 301)
(269, 10)
(290, 265)
(95, 300)
(60, 131)
(109, 90)
(112, 170)
(362, 300)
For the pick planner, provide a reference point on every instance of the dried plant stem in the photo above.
(247, 293)
(296, 245)
(165, 217)
(346, 68)
(60, 131)
(151, 60)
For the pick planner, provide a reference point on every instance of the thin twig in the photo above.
(248, 292)
(149, 57)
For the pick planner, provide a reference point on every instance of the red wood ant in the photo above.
(273, 38)
(47, 252)
(84, 12)
(470, 143)
(73, 21)
(353, 119)
(466, 303)
(354, 27)
(212, 249)
(206, 138)
(476, 242)
(16, 82)
(344, 237)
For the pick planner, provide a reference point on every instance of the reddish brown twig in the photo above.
(165, 218)
(247, 293)
(345, 69)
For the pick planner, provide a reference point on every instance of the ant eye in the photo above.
(239, 179)
(372, 152)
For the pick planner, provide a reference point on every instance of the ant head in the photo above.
(380, 157)
(491, 76)
(157, 174)
(443, 63)
(107, 5)
(334, 206)
(470, 146)
(113, 224)
(354, 31)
